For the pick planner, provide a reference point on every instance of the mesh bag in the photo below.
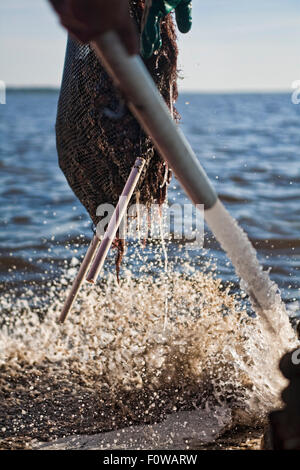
(98, 139)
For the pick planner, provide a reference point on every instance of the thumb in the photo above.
(184, 16)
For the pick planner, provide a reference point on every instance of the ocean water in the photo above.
(173, 335)
(249, 145)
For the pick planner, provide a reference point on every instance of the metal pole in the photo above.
(79, 278)
(116, 219)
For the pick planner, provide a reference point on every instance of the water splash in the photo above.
(211, 355)
(264, 294)
(122, 363)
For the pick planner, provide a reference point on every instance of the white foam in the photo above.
(116, 336)
(264, 294)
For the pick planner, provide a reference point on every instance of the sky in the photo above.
(234, 46)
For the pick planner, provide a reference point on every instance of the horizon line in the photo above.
(56, 88)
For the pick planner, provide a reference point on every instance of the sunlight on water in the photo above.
(171, 337)
(264, 294)
(210, 354)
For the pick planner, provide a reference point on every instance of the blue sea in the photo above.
(160, 345)
(249, 144)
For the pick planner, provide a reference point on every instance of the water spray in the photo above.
(144, 100)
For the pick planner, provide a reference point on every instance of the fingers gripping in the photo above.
(156, 10)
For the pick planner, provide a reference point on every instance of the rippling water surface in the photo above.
(249, 145)
(172, 336)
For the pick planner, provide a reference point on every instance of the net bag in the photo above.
(98, 139)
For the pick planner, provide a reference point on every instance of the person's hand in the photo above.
(156, 10)
(86, 19)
